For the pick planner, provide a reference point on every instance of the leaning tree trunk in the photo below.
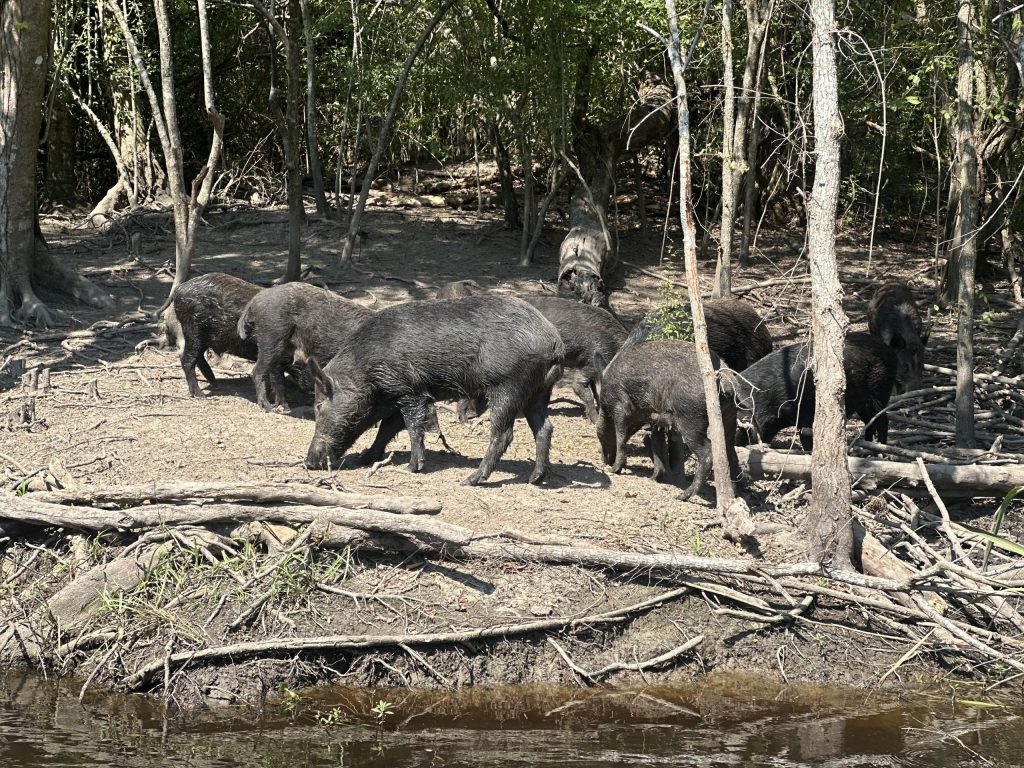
(723, 271)
(293, 141)
(587, 254)
(24, 260)
(312, 141)
(385, 129)
(829, 523)
(967, 241)
(187, 209)
(725, 494)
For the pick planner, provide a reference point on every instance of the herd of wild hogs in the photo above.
(503, 353)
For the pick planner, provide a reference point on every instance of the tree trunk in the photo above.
(829, 524)
(385, 129)
(172, 150)
(725, 494)
(587, 254)
(967, 242)
(723, 271)
(60, 152)
(187, 208)
(293, 141)
(504, 163)
(757, 29)
(24, 260)
(312, 142)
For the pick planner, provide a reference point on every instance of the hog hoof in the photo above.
(473, 479)
(537, 477)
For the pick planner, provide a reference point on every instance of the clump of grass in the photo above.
(672, 319)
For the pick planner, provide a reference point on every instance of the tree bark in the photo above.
(385, 129)
(973, 480)
(312, 140)
(967, 242)
(829, 525)
(757, 30)
(293, 142)
(723, 271)
(24, 260)
(725, 494)
(172, 150)
(504, 163)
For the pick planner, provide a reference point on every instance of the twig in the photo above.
(338, 642)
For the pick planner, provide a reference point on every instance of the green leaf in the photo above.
(997, 541)
(978, 704)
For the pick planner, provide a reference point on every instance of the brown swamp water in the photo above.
(727, 721)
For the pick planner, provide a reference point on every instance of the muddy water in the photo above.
(725, 722)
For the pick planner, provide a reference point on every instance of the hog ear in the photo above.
(323, 385)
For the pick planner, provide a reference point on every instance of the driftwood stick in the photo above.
(339, 642)
(27, 510)
(293, 493)
(972, 480)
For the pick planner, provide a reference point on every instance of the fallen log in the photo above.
(26, 509)
(964, 480)
(293, 493)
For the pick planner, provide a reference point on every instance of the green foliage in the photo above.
(291, 703)
(672, 318)
(382, 710)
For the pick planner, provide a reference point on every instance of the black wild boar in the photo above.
(204, 315)
(736, 333)
(778, 390)
(460, 289)
(591, 335)
(293, 316)
(405, 357)
(893, 318)
(658, 383)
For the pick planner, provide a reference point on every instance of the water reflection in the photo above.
(730, 721)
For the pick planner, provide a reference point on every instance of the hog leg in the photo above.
(191, 356)
(205, 369)
(504, 408)
(540, 424)
(390, 426)
(414, 411)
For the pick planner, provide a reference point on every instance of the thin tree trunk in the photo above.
(724, 492)
(172, 150)
(829, 523)
(123, 177)
(967, 244)
(312, 142)
(757, 32)
(202, 184)
(529, 185)
(501, 159)
(385, 130)
(293, 121)
(723, 272)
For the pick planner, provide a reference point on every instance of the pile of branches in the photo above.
(943, 588)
